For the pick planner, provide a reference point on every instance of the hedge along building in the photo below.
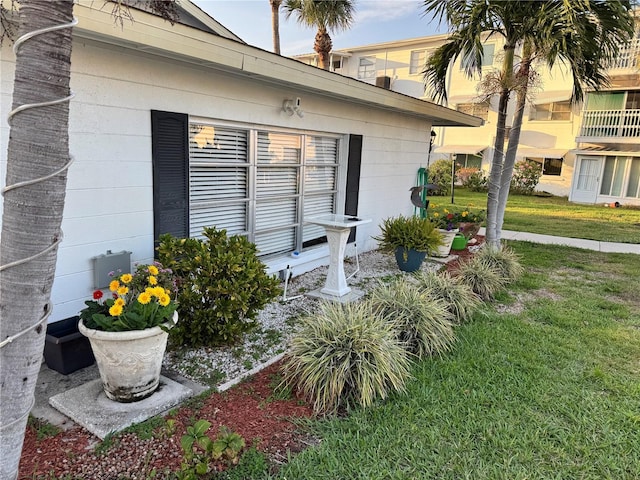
(177, 127)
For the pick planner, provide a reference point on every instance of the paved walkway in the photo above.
(610, 247)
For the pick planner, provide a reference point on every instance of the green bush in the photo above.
(503, 259)
(440, 175)
(409, 233)
(345, 355)
(222, 286)
(526, 175)
(476, 181)
(423, 323)
(482, 277)
(460, 300)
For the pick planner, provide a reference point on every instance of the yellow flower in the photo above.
(153, 270)
(114, 285)
(144, 298)
(158, 292)
(436, 214)
(119, 301)
(123, 290)
(446, 211)
(126, 278)
(115, 310)
(465, 213)
(153, 280)
(164, 300)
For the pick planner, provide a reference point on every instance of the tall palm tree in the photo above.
(275, 24)
(584, 35)
(32, 214)
(325, 15)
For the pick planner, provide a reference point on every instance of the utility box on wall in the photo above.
(110, 263)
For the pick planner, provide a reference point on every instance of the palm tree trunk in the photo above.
(275, 24)
(493, 196)
(514, 139)
(323, 46)
(38, 146)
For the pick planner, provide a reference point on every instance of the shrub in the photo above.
(476, 181)
(526, 175)
(345, 355)
(460, 299)
(423, 323)
(482, 277)
(504, 259)
(409, 233)
(222, 286)
(440, 175)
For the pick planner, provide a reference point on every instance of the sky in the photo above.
(375, 21)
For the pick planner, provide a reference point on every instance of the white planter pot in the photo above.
(447, 237)
(129, 362)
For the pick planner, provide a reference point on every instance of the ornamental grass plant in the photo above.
(136, 301)
(461, 301)
(345, 356)
(482, 276)
(423, 323)
(504, 259)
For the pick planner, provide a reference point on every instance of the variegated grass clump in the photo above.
(423, 323)
(482, 276)
(459, 298)
(504, 259)
(345, 355)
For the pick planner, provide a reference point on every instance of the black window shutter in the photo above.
(170, 155)
(353, 179)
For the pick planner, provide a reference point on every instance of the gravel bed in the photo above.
(277, 322)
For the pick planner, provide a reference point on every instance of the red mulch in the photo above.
(463, 255)
(249, 409)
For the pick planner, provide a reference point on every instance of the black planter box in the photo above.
(66, 349)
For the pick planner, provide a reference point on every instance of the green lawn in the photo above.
(543, 384)
(556, 216)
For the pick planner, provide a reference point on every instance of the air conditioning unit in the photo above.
(384, 82)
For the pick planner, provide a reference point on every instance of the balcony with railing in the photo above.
(621, 126)
(628, 57)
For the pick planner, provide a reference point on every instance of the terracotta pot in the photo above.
(129, 362)
(469, 229)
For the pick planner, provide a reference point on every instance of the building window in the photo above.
(476, 109)
(464, 160)
(633, 188)
(261, 184)
(417, 62)
(613, 176)
(367, 68)
(488, 54)
(550, 166)
(551, 111)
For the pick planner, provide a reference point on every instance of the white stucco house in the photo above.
(174, 128)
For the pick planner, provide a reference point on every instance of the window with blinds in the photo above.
(262, 184)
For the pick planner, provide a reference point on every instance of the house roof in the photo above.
(151, 35)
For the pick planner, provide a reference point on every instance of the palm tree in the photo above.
(584, 35)
(326, 15)
(275, 24)
(32, 213)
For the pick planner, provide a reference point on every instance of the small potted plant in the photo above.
(452, 221)
(128, 330)
(410, 239)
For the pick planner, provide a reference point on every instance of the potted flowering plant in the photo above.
(452, 220)
(128, 330)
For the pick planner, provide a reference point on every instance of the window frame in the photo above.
(465, 59)
(477, 109)
(416, 66)
(363, 72)
(339, 185)
(554, 109)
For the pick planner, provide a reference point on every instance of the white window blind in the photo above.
(264, 190)
(218, 180)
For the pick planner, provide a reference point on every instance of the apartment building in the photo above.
(589, 152)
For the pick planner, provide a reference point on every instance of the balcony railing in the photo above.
(628, 57)
(611, 124)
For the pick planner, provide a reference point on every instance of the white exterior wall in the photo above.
(109, 203)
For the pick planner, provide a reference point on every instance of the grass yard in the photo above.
(556, 216)
(543, 384)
